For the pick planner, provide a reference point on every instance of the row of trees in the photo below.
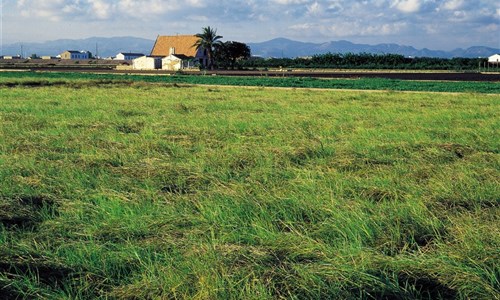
(231, 55)
(367, 61)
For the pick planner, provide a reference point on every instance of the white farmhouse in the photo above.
(176, 62)
(494, 59)
(128, 56)
(181, 47)
(146, 63)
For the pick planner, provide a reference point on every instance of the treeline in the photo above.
(366, 61)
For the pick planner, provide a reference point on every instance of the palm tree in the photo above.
(207, 40)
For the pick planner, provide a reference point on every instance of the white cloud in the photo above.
(407, 6)
(71, 8)
(315, 9)
(100, 8)
(145, 8)
(453, 4)
(312, 20)
(198, 18)
(431, 28)
(459, 14)
(488, 29)
(335, 5)
(304, 26)
(355, 28)
(196, 3)
(288, 2)
(50, 9)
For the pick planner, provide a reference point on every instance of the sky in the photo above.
(433, 24)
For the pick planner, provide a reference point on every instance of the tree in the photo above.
(230, 52)
(208, 40)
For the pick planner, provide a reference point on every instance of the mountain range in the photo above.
(279, 47)
(282, 47)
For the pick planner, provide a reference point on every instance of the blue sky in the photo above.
(434, 24)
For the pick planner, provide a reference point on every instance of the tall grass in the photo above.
(147, 191)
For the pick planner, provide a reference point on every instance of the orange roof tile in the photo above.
(183, 44)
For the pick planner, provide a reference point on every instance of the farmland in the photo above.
(143, 187)
(489, 83)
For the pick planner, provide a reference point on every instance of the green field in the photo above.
(135, 190)
(54, 78)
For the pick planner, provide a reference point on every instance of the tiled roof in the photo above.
(183, 44)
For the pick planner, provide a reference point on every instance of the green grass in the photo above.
(144, 191)
(49, 78)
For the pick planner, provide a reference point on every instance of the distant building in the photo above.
(494, 59)
(12, 57)
(128, 56)
(147, 63)
(180, 46)
(73, 54)
(48, 57)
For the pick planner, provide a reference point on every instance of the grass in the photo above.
(145, 191)
(54, 78)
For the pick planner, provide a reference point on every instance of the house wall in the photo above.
(146, 63)
(202, 57)
(66, 55)
(171, 63)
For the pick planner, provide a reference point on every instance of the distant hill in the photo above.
(282, 47)
(279, 47)
(105, 46)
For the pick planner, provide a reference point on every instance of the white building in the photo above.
(12, 57)
(494, 59)
(176, 62)
(146, 63)
(128, 56)
(180, 45)
(73, 54)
